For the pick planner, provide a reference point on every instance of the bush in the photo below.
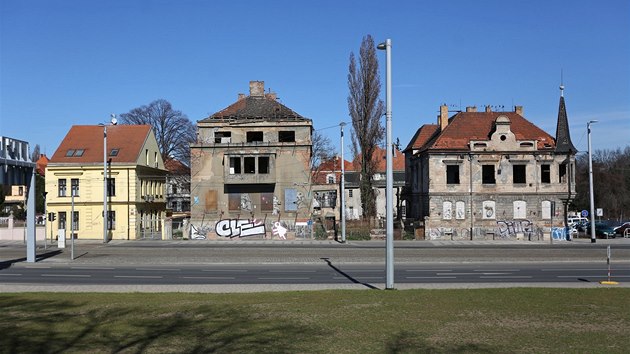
(320, 233)
(358, 235)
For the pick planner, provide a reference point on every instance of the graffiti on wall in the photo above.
(448, 233)
(279, 230)
(239, 228)
(559, 234)
(200, 232)
(510, 228)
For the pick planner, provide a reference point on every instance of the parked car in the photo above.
(602, 230)
(621, 229)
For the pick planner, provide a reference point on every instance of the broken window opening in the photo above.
(253, 137)
(249, 164)
(286, 136)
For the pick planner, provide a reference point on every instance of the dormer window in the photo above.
(113, 152)
(75, 152)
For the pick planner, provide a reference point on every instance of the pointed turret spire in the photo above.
(563, 137)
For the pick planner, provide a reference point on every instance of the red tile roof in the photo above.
(175, 167)
(398, 163)
(128, 139)
(466, 126)
(330, 166)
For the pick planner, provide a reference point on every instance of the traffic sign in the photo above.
(584, 213)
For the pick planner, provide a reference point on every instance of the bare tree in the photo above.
(322, 149)
(611, 177)
(173, 130)
(366, 110)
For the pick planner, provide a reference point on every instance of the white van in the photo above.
(576, 220)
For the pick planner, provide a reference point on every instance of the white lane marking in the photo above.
(592, 276)
(497, 270)
(139, 276)
(430, 277)
(503, 273)
(507, 277)
(209, 278)
(282, 278)
(292, 271)
(571, 270)
(337, 278)
(160, 269)
(428, 270)
(67, 275)
(37, 267)
(93, 268)
(11, 274)
(225, 270)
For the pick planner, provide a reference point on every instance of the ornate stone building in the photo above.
(489, 175)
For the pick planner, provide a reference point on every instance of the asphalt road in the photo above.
(264, 266)
(324, 273)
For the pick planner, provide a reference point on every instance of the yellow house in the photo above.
(136, 200)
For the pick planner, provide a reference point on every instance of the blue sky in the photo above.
(71, 62)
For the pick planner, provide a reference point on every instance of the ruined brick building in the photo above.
(250, 170)
(489, 175)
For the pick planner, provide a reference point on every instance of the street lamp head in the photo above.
(381, 46)
(114, 120)
(592, 121)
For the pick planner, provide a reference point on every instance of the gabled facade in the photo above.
(326, 183)
(136, 179)
(177, 188)
(354, 210)
(489, 175)
(250, 170)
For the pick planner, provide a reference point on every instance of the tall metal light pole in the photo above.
(590, 181)
(342, 194)
(389, 185)
(105, 216)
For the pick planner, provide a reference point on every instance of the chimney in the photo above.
(443, 117)
(471, 109)
(257, 88)
(272, 95)
(241, 96)
(488, 108)
(518, 110)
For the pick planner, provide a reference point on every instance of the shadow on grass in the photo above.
(31, 325)
(410, 342)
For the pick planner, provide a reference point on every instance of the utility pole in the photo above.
(342, 194)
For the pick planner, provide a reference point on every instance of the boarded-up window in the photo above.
(290, 199)
(460, 210)
(520, 209)
(234, 201)
(211, 200)
(447, 210)
(546, 210)
(266, 201)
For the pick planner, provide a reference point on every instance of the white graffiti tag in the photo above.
(239, 228)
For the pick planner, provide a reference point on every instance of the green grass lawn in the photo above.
(522, 320)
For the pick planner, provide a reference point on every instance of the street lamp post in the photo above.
(342, 194)
(389, 185)
(590, 181)
(105, 216)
